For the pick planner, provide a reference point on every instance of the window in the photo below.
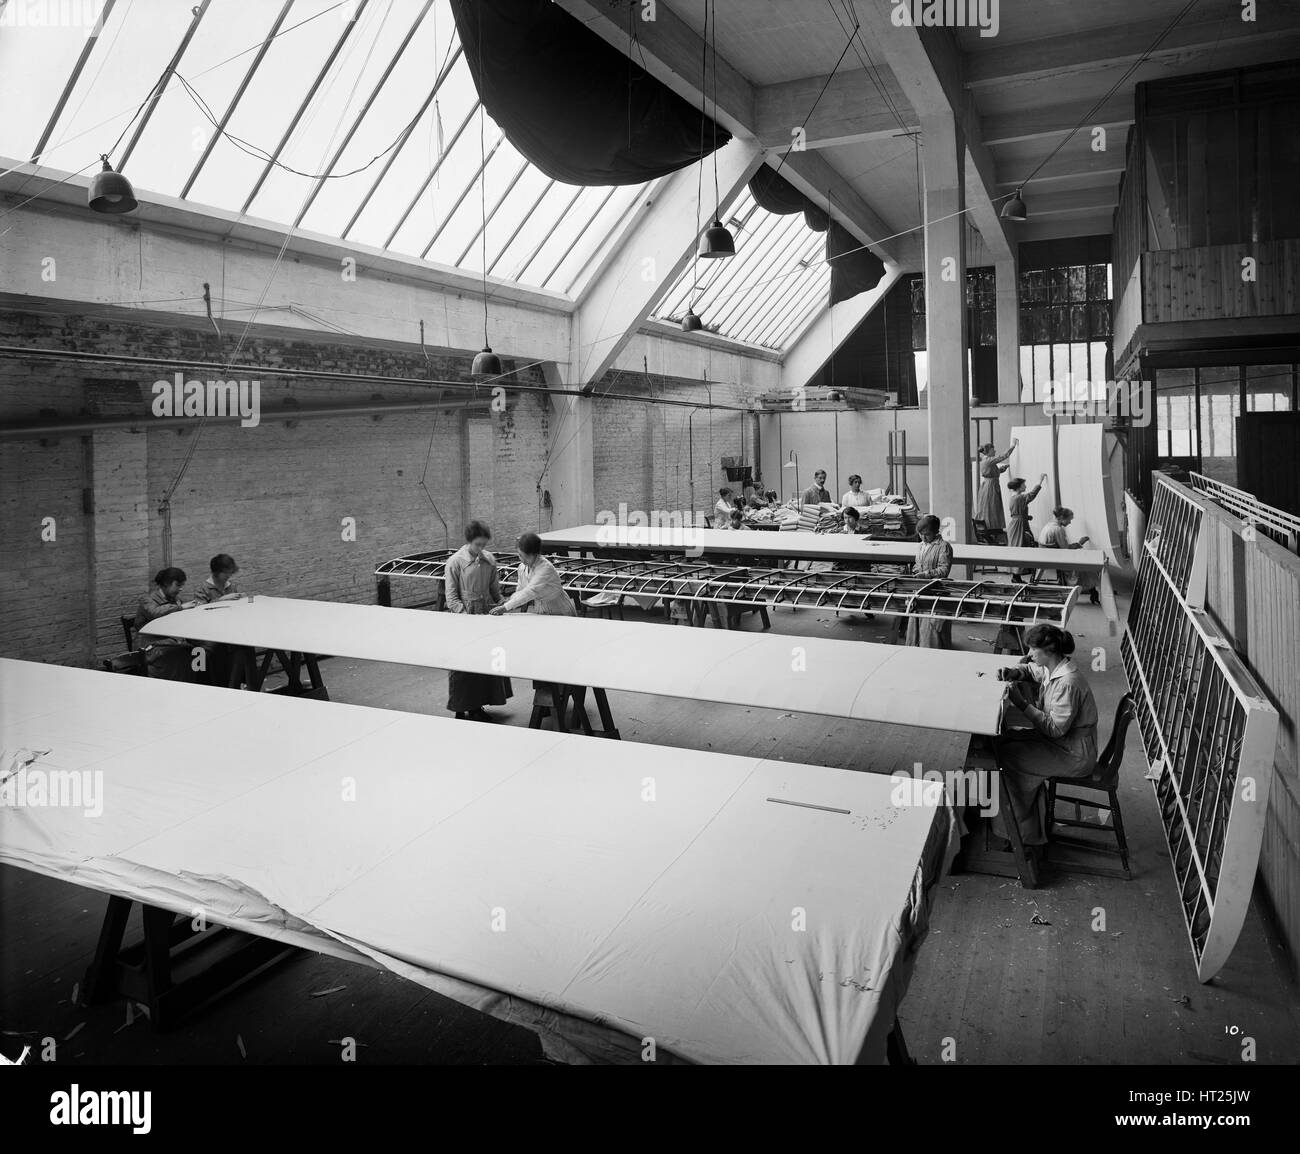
(1269, 388)
(1220, 405)
(1065, 318)
(1175, 415)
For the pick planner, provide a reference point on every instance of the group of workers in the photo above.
(1048, 692)
(230, 666)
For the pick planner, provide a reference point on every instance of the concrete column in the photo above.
(570, 475)
(1008, 297)
(945, 322)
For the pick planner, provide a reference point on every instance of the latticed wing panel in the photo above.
(1207, 731)
(990, 602)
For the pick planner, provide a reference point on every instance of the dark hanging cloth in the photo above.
(575, 106)
(854, 268)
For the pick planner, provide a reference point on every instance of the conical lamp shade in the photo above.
(691, 323)
(717, 242)
(111, 192)
(486, 364)
(1015, 209)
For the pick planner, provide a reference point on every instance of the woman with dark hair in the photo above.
(232, 666)
(855, 497)
(538, 588)
(988, 504)
(1019, 535)
(167, 657)
(1055, 536)
(472, 586)
(933, 559)
(1053, 695)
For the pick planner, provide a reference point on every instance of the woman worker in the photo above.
(233, 666)
(1056, 537)
(1057, 701)
(538, 588)
(855, 497)
(1019, 535)
(933, 559)
(167, 657)
(472, 586)
(988, 504)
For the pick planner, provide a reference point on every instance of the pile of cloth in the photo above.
(893, 517)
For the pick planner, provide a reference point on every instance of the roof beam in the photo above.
(813, 175)
(1057, 120)
(1054, 56)
(850, 109)
(931, 72)
(673, 52)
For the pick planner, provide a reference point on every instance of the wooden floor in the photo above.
(1085, 970)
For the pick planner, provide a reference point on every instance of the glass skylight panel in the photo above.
(323, 90)
(768, 290)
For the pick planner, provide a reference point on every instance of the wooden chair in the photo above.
(128, 631)
(1105, 779)
(986, 536)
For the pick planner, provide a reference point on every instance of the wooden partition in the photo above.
(1253, 593)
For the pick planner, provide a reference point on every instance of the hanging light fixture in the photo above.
(1015, 209)
(690, 322)
(718, 241)
(110, 192)
(486, 363)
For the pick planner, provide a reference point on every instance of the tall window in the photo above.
(1065, 319)
(981, 333)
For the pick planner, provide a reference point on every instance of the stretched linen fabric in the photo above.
(575, 106)
(626, 920)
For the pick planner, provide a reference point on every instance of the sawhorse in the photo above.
(553, 700)
(176, 968)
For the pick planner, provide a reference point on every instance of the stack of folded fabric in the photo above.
(809, 515)
(832, 522)
(894, 517)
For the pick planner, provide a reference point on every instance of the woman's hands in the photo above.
(1042, 477)
(1019, 698)
(497, 610)
(1015, 441)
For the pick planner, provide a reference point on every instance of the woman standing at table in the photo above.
(1019, 535)
(1057, 701)
(988, 505)
(933, 560)
(472, 586)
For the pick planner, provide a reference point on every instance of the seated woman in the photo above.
(735, 521)
(232, 666)
(167, 657)
(852, 521)
(1056, 537)
(722, 508)
(473, 586)
(933, 559)
(1057, 700)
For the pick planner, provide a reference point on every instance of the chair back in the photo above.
(128, 630)
(1109, 761)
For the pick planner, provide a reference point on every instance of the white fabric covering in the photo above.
(530, 874)
(812, 547)
(936, 689)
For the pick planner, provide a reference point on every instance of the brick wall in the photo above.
(648, 455)
(276, 496)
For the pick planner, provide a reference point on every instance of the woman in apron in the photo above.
(472, 586)
(988, 504)
(1019, 535)
(1057, 701)
(1056, 536)
(933, 559)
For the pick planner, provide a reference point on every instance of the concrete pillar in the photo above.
(570, 475)
(1008, 299)
(945, 323)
